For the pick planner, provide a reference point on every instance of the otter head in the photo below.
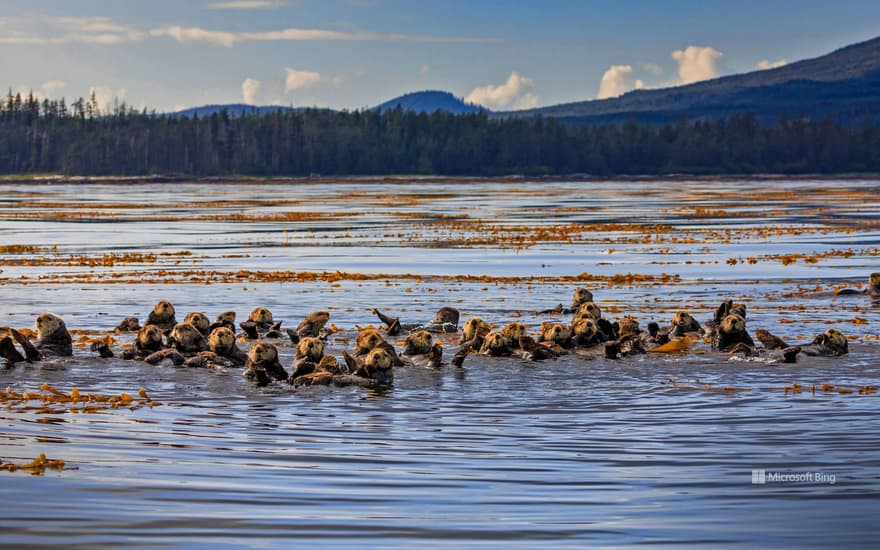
(48, 324)
(261, 316)
(447, 315)
(628, 326)
(310, 348)
(495, 342)
(163, 310)
(378, 366)
(418, 343)
(685, 321)
(834, 340)
(874, 280)
(198, 320)
(320, 317)
(186, 338)
(738, 309)
(513, 332)
(732, 324)
(263, 353)
(150, 337)
(556, 333)
(227, 317)
(221, 341)
(367, 340)
(585, 329)
(472, 327)
(589, 308)
(581, 296)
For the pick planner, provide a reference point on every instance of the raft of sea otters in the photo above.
(197, 342)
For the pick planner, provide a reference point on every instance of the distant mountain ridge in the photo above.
(430, 101)
(844, 85)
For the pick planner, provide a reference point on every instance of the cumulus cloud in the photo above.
(653, 69)
(297, 79)
(249, 90)
(618, 80)
(513, 93)
(244, 5)
(51, 87)
(696, 63)
(105, 96)
(424, 69)
(765, 64)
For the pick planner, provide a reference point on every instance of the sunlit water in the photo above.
(575, 451)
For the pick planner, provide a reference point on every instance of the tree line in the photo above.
(50, 136)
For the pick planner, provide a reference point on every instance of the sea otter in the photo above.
(529, 349)
(222, 342)
(629, 341)
(585, 332)
(162, 316)
(311, 326)
(374, 370)
(730, 332)
(309, 352)
(556, 334)
(831, 343)
(420, 350)
(683, 323)
(873, 288)
(512, 332)
(324, 374)
(581, 296)
(129, 324)
(446, 320)
(52, 336)
(225, 319)
(200, 321)
(495, 344)
(148, 341)
(185, 341)
(261, 324)
(263, 366)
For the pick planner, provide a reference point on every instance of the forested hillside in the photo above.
(50, 136)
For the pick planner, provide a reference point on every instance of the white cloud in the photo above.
(249, 90)
(765, 64)
(618, 80)
(424, 69)
(190, 35)
(696, 63)
(513, 93)
(67, 30)
(296, 79)
(105, 96)
(244, 5)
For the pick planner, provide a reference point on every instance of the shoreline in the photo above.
(406, 179)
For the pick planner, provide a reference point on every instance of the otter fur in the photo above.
(162, 316)
(52, 336)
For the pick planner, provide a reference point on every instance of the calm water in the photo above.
(573, 452)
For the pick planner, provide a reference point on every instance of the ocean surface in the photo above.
(657, 450)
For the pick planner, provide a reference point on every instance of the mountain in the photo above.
(233, 109)
(430, 101)
(843, 85)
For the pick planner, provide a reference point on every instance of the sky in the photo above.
(172, 54)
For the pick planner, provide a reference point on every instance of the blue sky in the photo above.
(168, 54)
